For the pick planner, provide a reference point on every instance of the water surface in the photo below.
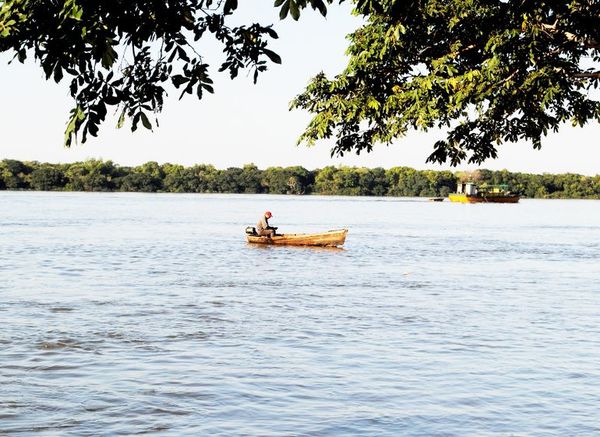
(133, 313)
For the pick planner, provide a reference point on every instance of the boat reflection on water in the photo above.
(322, 249)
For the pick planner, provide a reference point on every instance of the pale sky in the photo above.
(245, 123)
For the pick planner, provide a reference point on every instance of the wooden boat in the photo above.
(471, 193)
(324, 239)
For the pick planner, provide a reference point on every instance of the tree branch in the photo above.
(587, 43)
(589, 75)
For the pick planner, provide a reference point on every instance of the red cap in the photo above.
(268, 214)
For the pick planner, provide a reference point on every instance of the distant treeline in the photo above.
(97, 175)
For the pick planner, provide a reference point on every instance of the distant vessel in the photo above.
(470, 193)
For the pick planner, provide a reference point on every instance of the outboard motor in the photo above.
(250, 230)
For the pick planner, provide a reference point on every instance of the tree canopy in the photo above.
(124, 53)
(97, 175)
(485, 71)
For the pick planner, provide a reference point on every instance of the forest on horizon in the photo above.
(99, 175)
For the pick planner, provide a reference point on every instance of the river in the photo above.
(149, 313)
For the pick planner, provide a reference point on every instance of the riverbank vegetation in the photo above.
(98, 175)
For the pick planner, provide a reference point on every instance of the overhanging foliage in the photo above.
(485, 71)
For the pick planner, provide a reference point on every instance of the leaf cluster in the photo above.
(125, 54)
(485, 72)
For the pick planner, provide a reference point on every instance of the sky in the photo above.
(245, 123)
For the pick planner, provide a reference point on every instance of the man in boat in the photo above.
(263, 229)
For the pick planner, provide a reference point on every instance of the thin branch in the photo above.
(194, 50)
(464, 49)
(590, 75)
(586, 42)
(506, 79)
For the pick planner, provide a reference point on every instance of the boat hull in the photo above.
(324, 239)
(463, 198)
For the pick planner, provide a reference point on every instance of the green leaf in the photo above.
(271, 32)
(284, 9)
(272, 56)
(182, 54)
(22, 55)
(121, 120)
(58, 74)
(112, 100)
(76, 11)
(145, 121)
(108, 56)
(320, 5)
(48, 69)
(179, 80)
(135, 121)
(294, 10)
(75, 121)
(230, 6)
